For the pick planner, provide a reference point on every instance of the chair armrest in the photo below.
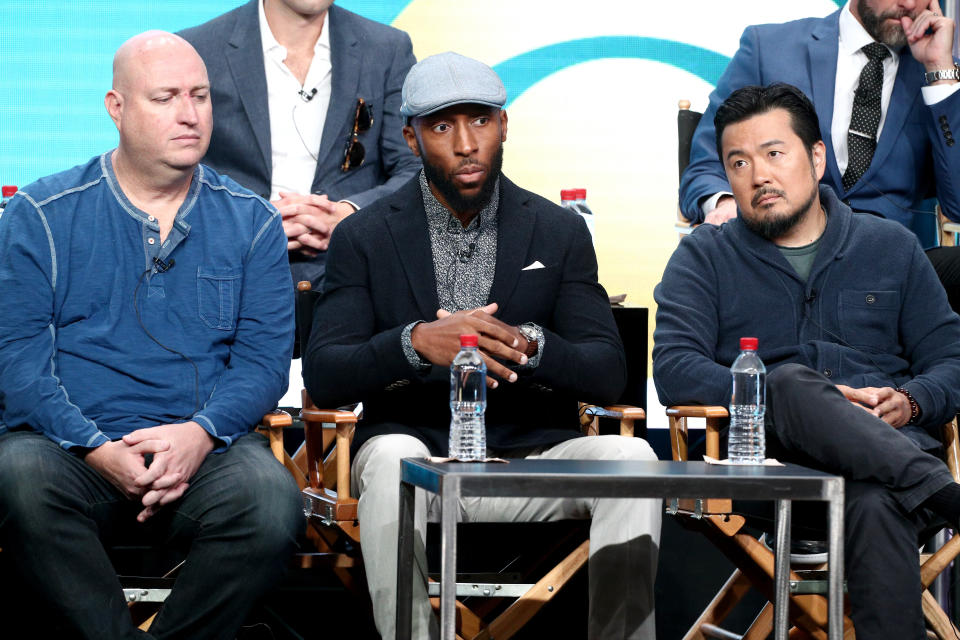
(271, 425)
(626, 414)
(316, 443)
(715, 417)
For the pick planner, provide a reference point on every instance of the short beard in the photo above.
(458, 202)
(774, 227)
(892, 36)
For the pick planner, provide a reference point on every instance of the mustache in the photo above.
(468, 162)
(765, 191)
(896, 15)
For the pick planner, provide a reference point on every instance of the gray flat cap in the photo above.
(447, 79)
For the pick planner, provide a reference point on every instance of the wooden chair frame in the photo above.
(755, 562)
(327, 500)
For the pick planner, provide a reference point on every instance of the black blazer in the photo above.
(380, 278)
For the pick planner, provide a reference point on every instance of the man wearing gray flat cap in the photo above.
(462, 250)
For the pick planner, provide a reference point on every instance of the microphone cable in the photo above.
(161, 268)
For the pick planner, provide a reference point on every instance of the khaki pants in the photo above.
(624, 533)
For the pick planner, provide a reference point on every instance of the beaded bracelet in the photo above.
(914, 407)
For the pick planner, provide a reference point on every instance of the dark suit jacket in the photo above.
(369, 61)
(380, 278)
(914, 160)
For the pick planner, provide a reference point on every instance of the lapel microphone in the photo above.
(465, 256)
(307, 97)
(160, 266)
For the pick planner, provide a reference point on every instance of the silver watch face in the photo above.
(528, 332)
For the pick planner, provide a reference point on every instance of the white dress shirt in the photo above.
(296, 124)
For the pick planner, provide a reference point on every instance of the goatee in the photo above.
(448, 189)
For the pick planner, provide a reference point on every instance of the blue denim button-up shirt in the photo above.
(100, 336)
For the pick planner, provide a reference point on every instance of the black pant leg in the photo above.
(53, 509)
(880, 554)
(946, 262)
(239, 519)
(808, 421)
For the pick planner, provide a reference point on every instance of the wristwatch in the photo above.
(942, 74)
(530, 332)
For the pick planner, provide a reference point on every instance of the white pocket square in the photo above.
(535, 265)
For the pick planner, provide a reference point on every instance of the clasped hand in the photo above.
(308, 220)
(886, 403)
(439, 341)
(177, 449)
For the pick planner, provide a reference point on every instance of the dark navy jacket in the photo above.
(872, 313)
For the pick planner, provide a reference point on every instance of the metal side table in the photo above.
(615, 479)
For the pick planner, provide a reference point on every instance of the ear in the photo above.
(113, 101)
(410, 135)
(503, 125)
(819, 152)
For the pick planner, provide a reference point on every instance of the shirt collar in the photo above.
(853, 36)
(269, 43)
(439, 217)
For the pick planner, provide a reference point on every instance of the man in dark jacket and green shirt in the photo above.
(862, 347)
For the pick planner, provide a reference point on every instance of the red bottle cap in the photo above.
(568, 194)
(581, 194)
(468, 340)
(748, 344)
(8, 190)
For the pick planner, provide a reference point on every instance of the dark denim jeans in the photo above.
(237, 524)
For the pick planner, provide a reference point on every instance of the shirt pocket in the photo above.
(217, 291)
(870, 319)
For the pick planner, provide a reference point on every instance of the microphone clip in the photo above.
(307, 97)
(159, 266)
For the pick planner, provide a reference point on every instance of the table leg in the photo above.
(835, 559)
(450, 506)
(405, 561)
(781, 574)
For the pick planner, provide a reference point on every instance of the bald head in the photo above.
(130, 58)
(160, 102)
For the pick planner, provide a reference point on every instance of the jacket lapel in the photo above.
(822, 51)
(515, 223)
(245, 58)
(407, 223)
(345, 60)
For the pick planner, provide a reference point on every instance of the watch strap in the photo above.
(952, 73)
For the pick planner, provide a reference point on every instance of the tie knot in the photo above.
(876, 51)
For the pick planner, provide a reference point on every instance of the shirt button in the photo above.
(828, 373)
(150, 240)
(950, 142)
(943, 118)
(151, 219)
(871, 298)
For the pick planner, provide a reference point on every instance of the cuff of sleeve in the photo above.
(534, 362)
(409, 352)
(94, 441)
(936, 93)
(223, 442)
(353, 204)
(710, 203)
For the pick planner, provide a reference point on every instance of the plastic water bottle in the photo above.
(576, 201)
(746, 444)
(468, 402)
(8, 191)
